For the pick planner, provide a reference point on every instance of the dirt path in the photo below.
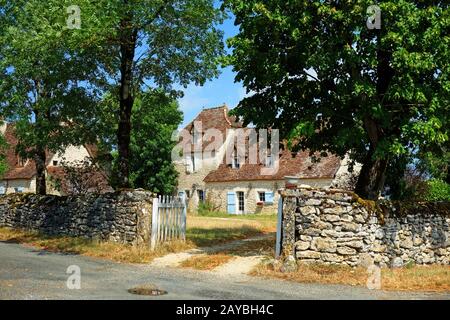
(239, 266)
(175, 259)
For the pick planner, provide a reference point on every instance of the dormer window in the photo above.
(21, 162)
(193, 162)
(235, 163)
(190, 164)
(195, 136)
(269, 161)
(55, 163)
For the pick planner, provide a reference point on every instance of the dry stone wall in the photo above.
(123, 217)
(337, 227)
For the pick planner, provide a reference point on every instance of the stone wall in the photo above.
(123, 217)
(337, 227)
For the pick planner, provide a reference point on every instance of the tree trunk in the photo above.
(41, 184)
(373, 173)
(40, 157)
(128, 37)
(371, 178)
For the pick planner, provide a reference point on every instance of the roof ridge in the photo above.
(219, 107)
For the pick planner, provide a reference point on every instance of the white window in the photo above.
(196, 136)
(21, 162)
(190, 163)
(19, 189)
(261, 196)
(241, 202)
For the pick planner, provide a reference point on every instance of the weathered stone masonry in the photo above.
(337, 227)
(123, 217)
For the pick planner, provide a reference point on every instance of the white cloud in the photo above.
(243, 93)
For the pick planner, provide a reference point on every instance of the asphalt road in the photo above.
(27, 273)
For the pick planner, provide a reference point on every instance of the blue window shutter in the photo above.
(269, 197)
(231, 203)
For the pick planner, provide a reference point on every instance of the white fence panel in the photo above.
(168, 220)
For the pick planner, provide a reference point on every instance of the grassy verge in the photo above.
(207, 231)
(206, 262)
(106, 250)
(257, 217)
(417, 278)
(264, 247)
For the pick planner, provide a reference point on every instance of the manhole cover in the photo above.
(147, 290)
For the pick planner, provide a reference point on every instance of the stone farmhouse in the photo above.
(239, 188)
(21, 174)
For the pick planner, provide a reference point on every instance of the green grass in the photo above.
(261, 217)
(206, 231)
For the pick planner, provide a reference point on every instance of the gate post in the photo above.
(184, 217)
(279, 228)
(155, 223)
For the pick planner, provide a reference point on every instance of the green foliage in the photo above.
(178, 41)
(438, 190)
(41, 68)
(156, 44)
(206, 208)
(52, 76)
(3, 163)
(381, 93)
(155, 117)
(436, 164)
(154, 120)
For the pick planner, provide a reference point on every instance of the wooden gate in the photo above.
(168, 220)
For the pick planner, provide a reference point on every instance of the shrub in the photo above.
(438, 190)
(205, 208)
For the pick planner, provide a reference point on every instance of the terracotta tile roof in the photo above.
(15, 170)
(299, 165)
(214, 118)
(28, 171)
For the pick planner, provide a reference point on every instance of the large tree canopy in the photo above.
(41, 72)
(54, 64)
(154, 120)
(319, 74)
(155, 117)
(154, 44)
(3, 163)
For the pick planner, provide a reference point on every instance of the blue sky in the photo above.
(215, 92)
